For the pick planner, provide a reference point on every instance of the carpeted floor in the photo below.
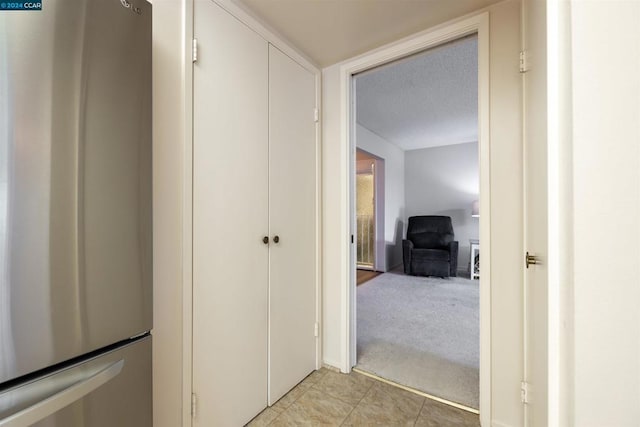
(422, 332)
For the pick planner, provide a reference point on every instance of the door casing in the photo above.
(476, 24)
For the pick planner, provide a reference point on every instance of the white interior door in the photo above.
(230, 219)
(536, 213)
(292, 218)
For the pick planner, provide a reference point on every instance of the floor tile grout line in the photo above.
(272, 421)
(372, 386)
(357, 404)
(424, 401)
(344, 401)
(313, 386)
(417, 392)
(295, 400)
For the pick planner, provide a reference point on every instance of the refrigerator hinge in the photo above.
(316, 330)
(524, 392)
(194, 50)
(194, 405)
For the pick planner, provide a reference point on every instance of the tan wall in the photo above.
(506, 207)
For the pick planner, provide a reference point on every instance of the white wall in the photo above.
(606, 213)
(334, 201)
(168, 149)
(506, 221)
(394, 193)
(445, 181)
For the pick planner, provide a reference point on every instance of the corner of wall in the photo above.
(168, 137)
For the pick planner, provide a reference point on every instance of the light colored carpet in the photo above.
(422, 332)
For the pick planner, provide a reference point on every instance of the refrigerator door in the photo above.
(113, 389)
(75, 180)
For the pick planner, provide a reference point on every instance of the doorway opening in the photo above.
(369, 206)
(456, 153)
(365, 212)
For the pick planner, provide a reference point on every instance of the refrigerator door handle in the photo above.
(50, 405)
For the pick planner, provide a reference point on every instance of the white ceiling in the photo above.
(427, 100)
(330, 31)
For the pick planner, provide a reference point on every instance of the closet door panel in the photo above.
(292, 217)
(230, 218)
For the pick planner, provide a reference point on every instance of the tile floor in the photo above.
(333, 399)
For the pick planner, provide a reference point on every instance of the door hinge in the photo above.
(524, 392)
(352, 239)
(194, 50)
(194, 405)
(524, 61)
(316, 330)
(316, 115)
(530, 260)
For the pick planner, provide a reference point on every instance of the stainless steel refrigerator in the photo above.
(75, 214)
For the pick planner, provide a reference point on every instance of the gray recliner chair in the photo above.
(429, 249)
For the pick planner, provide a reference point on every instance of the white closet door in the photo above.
(292, 217)
(230, 218)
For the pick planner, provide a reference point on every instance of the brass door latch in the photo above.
(530, 259)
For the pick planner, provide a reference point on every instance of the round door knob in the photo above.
(276, 239)
(265, 240)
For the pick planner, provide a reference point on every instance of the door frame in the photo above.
(475, 24)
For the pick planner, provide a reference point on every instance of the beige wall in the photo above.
(506, 207)
(604, 309)
(168, 146)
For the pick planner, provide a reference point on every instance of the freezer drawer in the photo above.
(112, 389)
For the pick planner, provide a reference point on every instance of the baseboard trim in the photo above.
(418, 392)
(395, 266)
(464, 273)
(499, 424)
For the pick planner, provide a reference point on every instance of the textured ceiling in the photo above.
(427, 100)
(330, 31)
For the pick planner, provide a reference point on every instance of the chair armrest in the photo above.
(407, 247)
(453, 259)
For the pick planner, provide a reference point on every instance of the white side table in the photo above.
(474, 260)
